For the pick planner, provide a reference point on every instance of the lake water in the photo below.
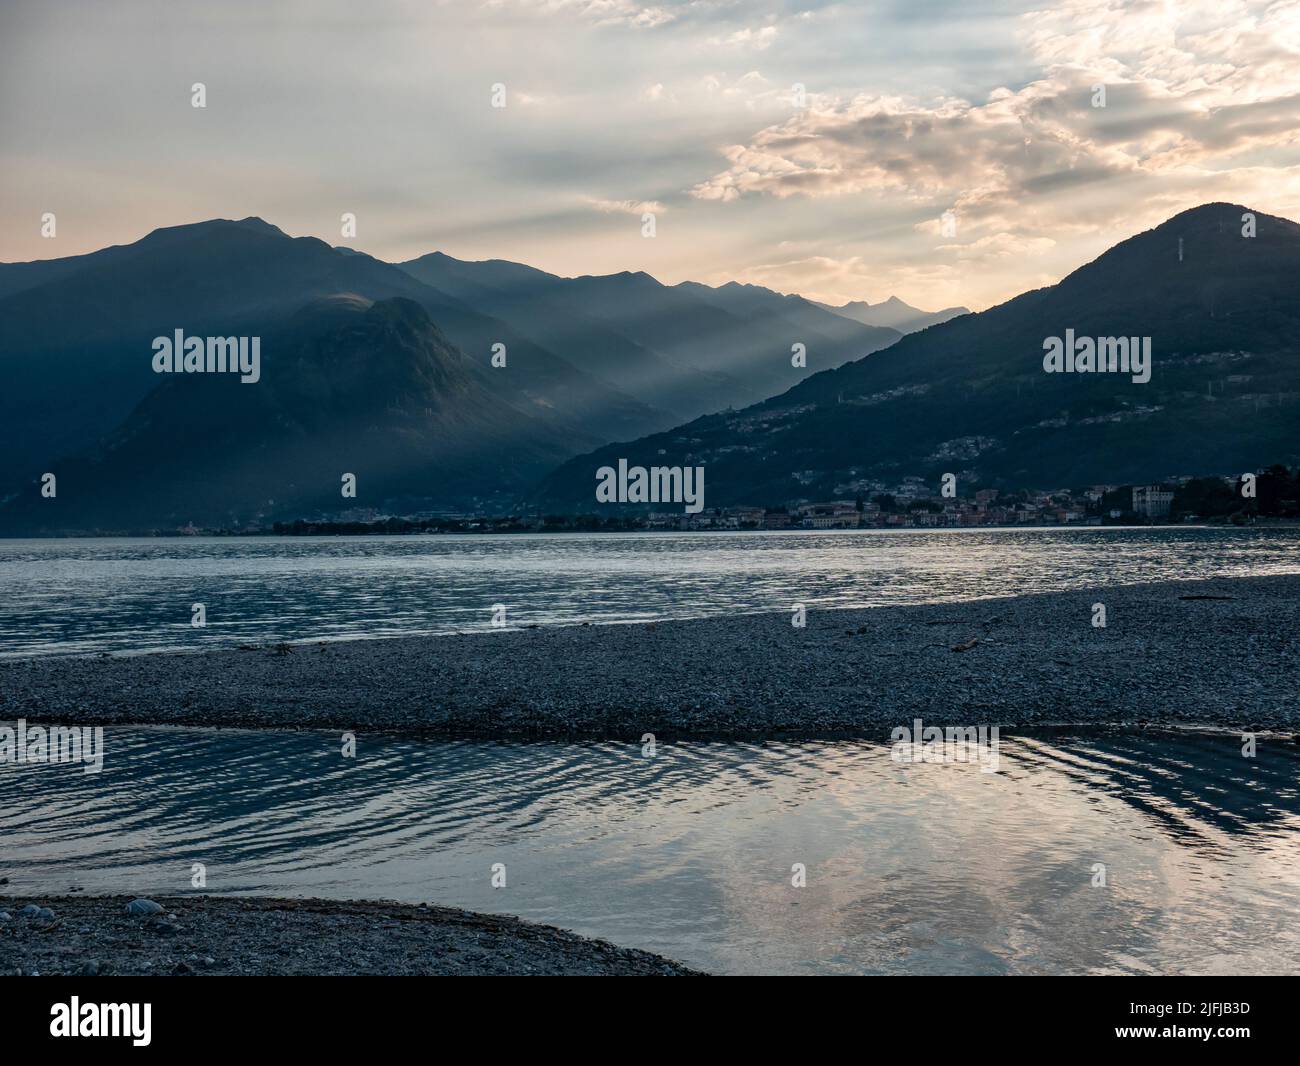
(923, 868)
(81, 596)
(929, 868)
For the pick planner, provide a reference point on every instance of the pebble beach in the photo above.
(1209, 653)
(1221, 654)
(224, 936)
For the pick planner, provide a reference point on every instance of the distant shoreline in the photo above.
(1220, 652)
(1266, 523)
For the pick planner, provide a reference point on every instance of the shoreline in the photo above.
(1217, 653)
(1259, 522)
(273, 936)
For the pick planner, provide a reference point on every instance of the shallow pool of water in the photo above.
(921, 868)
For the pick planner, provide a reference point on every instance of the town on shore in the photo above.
(1270, 494)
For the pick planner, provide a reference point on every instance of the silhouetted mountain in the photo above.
(539, 304)
(971, 395)
(17, 277)
(830, 340)
(537, 378)
(895, 314)
(687, 348)
(75, 334)
(373, 390)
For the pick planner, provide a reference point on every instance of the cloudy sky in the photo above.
(812, 147)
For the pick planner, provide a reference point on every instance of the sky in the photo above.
(810, 147)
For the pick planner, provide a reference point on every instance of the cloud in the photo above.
(626, 207)
(599, 12)
(907, 109)
(1192, 91)
(999, 246)
(756, 39)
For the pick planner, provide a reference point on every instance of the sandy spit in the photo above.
(1220, 653)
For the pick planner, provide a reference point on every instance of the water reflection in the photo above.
(1166, 777)
(911, 869)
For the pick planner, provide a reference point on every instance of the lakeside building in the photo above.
(1152, 501)
(747, 517)
(838, 514)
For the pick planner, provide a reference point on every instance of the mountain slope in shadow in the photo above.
(75, 333)
(348, 387)
(971, 396)
(689, 348)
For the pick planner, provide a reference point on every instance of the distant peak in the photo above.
(434, 257)
(1215, 208)
(261, 225)
(639, 276)
(1217, 215)
(252, 224)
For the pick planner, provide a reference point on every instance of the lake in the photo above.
(911, 868)
(134, 595)
(920, 868)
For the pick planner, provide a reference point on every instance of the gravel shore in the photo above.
(1219, 653)
(91, 935)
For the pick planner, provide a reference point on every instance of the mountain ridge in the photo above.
(368, 388)
(970, 396)
(895, 314)
(685, 348)
(75, 342)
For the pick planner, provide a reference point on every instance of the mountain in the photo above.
(76, 333)
(17, 277)
(895, 314)
(828, 338)
(546, 375)
(357, 387)
(971, 396)
(542, 306)
(687, 349)
(77, 338)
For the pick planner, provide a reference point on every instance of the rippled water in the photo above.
(136, 595)
(911, 868)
